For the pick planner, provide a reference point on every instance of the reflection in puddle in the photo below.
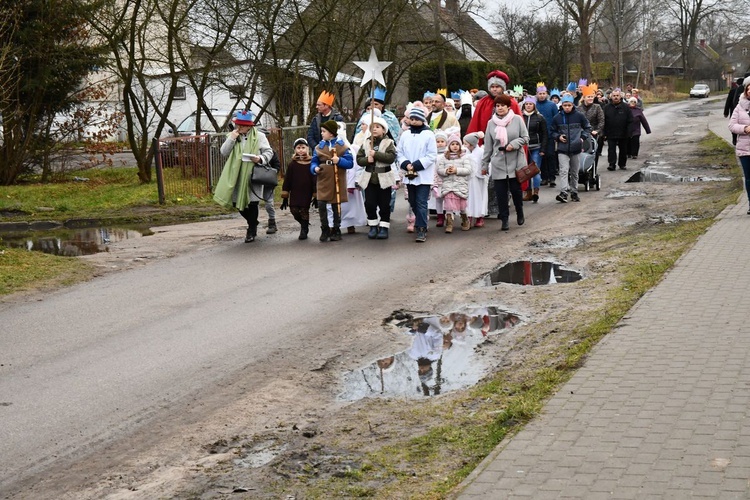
(442, 357)
(650, 175)
(526, 272)
(69, 242)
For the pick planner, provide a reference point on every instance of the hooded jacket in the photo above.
(737, 123)
(575, 127)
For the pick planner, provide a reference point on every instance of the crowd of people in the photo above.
(453, 155)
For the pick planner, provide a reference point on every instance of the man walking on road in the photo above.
(617, 120)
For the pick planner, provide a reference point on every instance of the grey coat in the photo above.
(502, 163)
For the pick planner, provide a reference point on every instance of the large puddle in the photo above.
(54, 239)
(652, 175)
(527, 272)
(445, 355)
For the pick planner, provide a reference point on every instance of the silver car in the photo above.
(700, 90)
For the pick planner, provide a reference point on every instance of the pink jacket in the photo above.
(737, 123)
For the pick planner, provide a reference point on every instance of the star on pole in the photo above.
(373, 68)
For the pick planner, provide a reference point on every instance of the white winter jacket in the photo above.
(737, 123)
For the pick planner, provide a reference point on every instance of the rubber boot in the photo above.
(479, 222)
(373, 233)
(535, 195)
(448, 223)
(465, 222)
(527, 195)
(383, 233)
(519, 216)
(440, 220)
(271, 226)
(304, 229)
(325, 233)
(336, 234)
(410, 220)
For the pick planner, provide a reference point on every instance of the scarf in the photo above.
(501, 133)
(303, 159)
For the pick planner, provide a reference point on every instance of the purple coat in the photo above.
(638, 120)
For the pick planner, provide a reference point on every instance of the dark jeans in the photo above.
(418, 196)
(613, 147)
(634, 145)
(323, 211)
(378, 198)
(745, 162)
(502, 186)
(250, 213)
(549, 164)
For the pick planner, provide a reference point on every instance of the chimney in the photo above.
(702, 43)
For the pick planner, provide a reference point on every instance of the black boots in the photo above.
(336, 234)
(304, 230)
(325, 233)
(250, 235)
(505, 226)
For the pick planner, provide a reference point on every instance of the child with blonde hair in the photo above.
(454, 169)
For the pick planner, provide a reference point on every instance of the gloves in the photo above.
(284, 204)
(314, 203)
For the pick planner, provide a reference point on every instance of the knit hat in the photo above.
(746, 82)
(567, 98)
(503, 99)
(417, 113)
(246, 117)
(531, 99)
(454, 138)
(299, 141)
(480, 94)
(473, 138)
(497, 77)
(331, 126)
(440, 134)
(377, 120)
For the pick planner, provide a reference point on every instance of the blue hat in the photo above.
(554, 91)
(246, 117)
(417, 114)
(378, 94)
(456, 96)
(571, 87)
(428, 94)
(567, 98)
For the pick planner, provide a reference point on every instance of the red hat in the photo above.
(497, 77)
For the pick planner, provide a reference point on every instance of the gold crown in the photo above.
(443, 92)
(539, 84)
(326, 98)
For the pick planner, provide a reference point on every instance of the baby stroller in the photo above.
(587, 174)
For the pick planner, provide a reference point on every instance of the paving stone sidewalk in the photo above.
(661, 409)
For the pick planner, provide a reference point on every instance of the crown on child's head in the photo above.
(326, 98)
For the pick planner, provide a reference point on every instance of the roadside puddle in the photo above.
(69, 242)
(445, 355)
(527, 272)
(651, 175)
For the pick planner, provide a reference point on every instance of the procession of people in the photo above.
(458, 165)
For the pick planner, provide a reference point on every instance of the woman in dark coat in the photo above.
(634, 143)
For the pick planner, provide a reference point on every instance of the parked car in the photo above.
(700, 90)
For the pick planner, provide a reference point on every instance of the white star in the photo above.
(373, 68)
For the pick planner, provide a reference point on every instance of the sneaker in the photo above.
(421, 234)
(574, 197)
(562, 198)
(611, 167)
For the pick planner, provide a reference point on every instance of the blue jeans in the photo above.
(418, 196)
(536, 157)
(745, 162)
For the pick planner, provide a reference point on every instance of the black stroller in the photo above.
(587, 171)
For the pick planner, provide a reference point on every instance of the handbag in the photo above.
(264, 176)
(526, 172)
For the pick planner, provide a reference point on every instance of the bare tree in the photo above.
(582, 12)
(686, 16)
(618, 26)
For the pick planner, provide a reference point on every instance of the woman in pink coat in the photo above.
(739, 124)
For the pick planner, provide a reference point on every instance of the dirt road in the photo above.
(120, 386)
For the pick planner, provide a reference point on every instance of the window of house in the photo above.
(744, 51)
(236, 91)
(180, 93)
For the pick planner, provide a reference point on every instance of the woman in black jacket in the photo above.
(537, 127)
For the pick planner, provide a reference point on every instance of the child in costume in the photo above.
(298, 189)
(454, 169)
(376, 156)
(436, 199)
(477, 204)
(330, 161)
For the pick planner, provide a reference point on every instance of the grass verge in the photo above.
(471, 425)
(21, 270)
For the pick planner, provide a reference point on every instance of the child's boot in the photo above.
(410, 220)
(373, 233)
(535, 195)
(448, 223)
(441, 220)
(479, 222)
(383, 230)
(465, 222)
(527, 195)
(336, 234)
(325, 233)
(271, 226)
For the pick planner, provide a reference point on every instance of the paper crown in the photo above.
(428, 94)
(378, 94)
(326, 98)
(582, 82)
(443, 92)
(554, 91)
(518, 89)
(246, 117)
(571, 87)
(456, 95)
(587, 90)
(540, 87)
